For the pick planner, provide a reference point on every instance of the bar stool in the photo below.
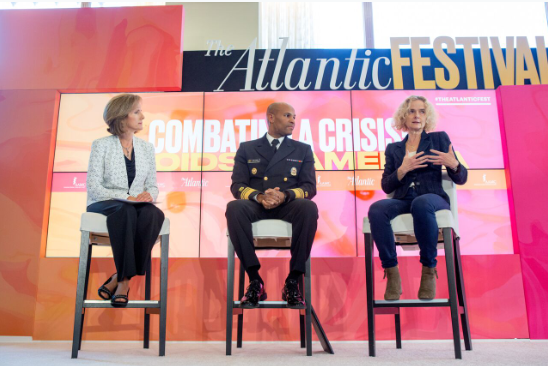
(272, 234)
(94, 232)
(449, 238)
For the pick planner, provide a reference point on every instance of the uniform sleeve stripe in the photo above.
(242, 193)
(299, 193)
(246, 193)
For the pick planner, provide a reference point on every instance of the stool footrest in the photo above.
(133, 304)
(389, 311)
(270, 305)
(416, 303)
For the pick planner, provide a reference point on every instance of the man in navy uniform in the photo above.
(273, 178)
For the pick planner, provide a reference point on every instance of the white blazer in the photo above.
(107, 174)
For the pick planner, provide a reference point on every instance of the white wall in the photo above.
(234, 24)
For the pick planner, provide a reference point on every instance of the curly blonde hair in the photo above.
(403, 109)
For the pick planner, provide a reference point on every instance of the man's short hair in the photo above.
(273, 108)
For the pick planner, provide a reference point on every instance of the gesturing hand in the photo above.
(413, 162)
(448, 159)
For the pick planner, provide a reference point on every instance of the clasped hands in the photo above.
(419, 160)
(143, 197)
(271, 198)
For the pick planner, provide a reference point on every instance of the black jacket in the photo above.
(257, 168)
(427, 180)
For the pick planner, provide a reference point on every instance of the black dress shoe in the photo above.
(292, 295)
(255, 292)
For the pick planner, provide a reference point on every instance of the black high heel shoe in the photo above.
(104, 293)
(120, 304)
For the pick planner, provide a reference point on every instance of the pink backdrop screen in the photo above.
(196, 136)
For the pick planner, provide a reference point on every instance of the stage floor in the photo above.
(486, 352)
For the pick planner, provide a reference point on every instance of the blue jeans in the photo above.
(423, 208)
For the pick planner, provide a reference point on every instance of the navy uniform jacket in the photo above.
(427, 180)
(257, 168)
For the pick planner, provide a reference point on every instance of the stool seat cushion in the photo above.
(272, 229)
(97, 223)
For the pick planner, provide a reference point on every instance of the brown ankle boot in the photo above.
(427, 290)
(393, 284)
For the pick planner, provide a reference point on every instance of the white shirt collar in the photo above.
(270, 138)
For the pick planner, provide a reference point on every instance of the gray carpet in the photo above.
(504, 352)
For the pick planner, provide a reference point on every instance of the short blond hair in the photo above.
(117, 110)
(403, 110)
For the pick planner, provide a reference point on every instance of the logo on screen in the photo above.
(319, 182)
(357, 181)
(486, 182)
(76, 185)
(190, 182)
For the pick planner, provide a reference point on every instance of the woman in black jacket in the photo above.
(412, 172)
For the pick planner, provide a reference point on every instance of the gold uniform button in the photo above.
(285, 179)
(265, 178)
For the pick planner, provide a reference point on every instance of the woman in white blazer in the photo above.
(123, 166)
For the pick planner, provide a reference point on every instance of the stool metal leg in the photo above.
(164, 242)
(229, 297)
(241, 286)
(321, 334)
(448, 245)
(88, 265)
(398, 330)
(462, 296)
(370, 284)
(301, 316)
(308, 298)
(146, 331)
(80, 293)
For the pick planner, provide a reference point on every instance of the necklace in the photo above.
(127, 150)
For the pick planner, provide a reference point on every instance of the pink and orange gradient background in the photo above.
(95, 52)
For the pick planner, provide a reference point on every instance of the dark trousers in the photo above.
(301, 213)
(133, 230)
(423, 208)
